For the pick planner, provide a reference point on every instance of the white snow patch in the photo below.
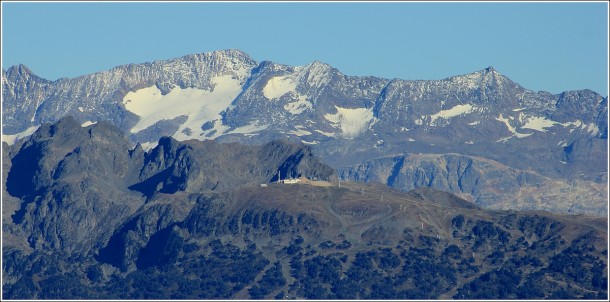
(511, 129)
(576, 124)
(148, 146)
(522, 135)
(351, 121)
(375, 120)
(592, 128)
(474, 123)
(449, 113)
(419, 121)
(518, 109)
(506, 122)
(329, 134)
(81, 109)
(538, 123)
(12, 138)
(469, 142)
(299, 132)
(88, 123)
(562, 144)
(299, 106)
(199, 105)
(310, 143)
(411, 140)
(278, 86)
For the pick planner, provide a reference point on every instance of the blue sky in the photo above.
(554, 46)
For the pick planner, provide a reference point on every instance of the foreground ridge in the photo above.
(87, 216)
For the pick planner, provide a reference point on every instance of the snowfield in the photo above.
(351, 121)
(299, 132)
(592, 128)
(299, 106)
(199, 105)
(12, 138)
(278, 86)
(88, 123)
(511, 129)
(329, 134)
(538, 123)
(449, 113)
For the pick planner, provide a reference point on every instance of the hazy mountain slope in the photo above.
(487, 183)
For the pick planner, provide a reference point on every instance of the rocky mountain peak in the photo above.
(233, 53)
(488, 78)
(18, 71)
(490, 74)
(58, 130)
(227, 96)
(318, 73)
(318, 67)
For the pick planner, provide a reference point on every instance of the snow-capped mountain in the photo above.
(227, 96)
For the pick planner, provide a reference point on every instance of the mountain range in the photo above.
(478, 135)
(88, 215)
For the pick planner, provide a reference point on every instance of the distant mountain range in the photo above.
(479, 135)
(88, 215)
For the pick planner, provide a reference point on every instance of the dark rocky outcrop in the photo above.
(72, 185)
(69, 187)
(199, 166)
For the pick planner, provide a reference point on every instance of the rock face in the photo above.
(97, 96)
(196, 166)
(71, 179)
(487, 183)
(228, 97)
(76, 184)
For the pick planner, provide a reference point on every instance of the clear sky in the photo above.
(552, 46)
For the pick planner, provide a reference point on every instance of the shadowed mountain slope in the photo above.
(190, 220)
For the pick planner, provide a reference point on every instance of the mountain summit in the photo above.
(347, 120)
